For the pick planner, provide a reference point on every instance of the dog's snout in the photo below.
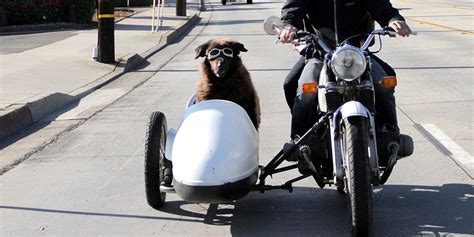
(221, 63)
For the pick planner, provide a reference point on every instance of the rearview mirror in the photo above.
(273, 25)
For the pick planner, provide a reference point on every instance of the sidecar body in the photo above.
(214, 152)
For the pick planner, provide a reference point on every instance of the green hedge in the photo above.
(46, 11)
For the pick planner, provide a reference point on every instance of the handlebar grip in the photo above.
(392, 33)
(389, 31)
(301, 34)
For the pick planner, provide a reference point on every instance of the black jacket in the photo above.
(353, 16)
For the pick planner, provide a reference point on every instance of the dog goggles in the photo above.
(215, 52)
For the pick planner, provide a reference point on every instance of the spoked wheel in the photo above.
(223, 2)
(358, 176)
(155, 159)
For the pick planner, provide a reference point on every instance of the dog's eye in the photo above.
(214, 53)
(228, 52)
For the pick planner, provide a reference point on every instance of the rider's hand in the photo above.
(401, 28)
(287, 34)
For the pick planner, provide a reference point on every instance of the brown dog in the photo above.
(223, 76)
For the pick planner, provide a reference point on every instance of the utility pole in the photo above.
(106, 44)
(180, 7)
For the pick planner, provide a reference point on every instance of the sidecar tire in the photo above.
(154, 159)
(358, 174)
(223, 2)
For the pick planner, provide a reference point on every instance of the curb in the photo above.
(19, 117)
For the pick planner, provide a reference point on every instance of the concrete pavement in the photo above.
(39, 81)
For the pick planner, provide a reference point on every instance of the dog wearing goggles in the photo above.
(224, 76)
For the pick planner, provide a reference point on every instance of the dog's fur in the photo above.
(227, 78)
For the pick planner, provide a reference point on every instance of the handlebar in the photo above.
(306, 36)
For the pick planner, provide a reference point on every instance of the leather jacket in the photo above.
(353, 16)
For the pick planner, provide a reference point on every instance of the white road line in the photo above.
(462, 157)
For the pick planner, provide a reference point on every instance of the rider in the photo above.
(353, 17)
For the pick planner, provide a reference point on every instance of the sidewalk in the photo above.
(37, 82)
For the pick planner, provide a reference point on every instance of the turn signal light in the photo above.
(311, 87)
(389, 82)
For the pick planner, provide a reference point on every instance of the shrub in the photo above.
(46, 11)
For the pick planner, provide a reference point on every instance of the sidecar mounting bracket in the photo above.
(286, 186)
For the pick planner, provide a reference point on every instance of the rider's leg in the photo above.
(304, 113)
(291, 82)
(386, 112)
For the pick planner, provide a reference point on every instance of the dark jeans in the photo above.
(303, 106)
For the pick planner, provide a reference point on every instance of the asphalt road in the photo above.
(22, 42)
(86, 176)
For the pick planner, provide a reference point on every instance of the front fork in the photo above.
(351, 109)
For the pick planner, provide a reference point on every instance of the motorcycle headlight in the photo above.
(348, 63)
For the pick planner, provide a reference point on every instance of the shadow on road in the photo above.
(399, 210)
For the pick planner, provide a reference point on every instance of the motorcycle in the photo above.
(351, 152)
(212, 157)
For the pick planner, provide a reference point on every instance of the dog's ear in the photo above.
(201, 50)
(238, 47)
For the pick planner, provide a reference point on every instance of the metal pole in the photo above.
(106, 23)
(335, 23)
(160, 13)
(202, 7)
(180, 7)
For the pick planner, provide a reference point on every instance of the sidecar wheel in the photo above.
(154, 159)
(358, 175)
(223, 2)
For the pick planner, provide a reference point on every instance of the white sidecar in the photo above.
(214, 154)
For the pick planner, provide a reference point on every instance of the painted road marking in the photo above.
(456, 152)
(441, 26)
(443, 5)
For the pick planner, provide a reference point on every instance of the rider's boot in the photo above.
(388, 137)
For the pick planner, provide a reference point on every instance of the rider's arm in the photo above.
(292, 15)
(293, 12)
(386, 15)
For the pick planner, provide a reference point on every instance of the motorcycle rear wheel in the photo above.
(358, 175)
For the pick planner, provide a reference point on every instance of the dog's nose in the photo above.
(221, 64)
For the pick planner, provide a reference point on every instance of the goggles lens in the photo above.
(214, 53)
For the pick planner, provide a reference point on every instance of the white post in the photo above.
(153, 17)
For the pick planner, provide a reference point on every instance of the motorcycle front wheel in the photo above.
(357, 174)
